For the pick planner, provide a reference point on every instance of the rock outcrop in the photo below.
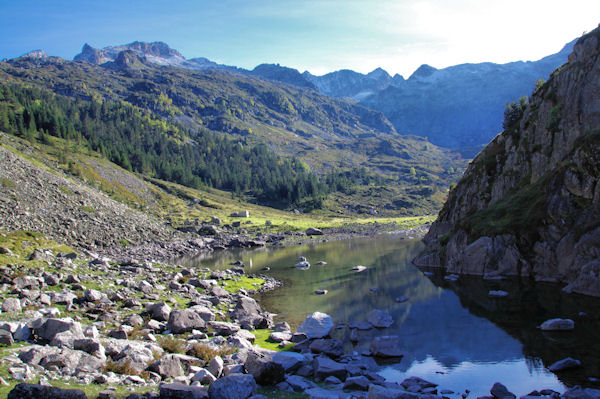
(529, 203)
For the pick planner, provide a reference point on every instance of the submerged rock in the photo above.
(380, 319)
(386, 346)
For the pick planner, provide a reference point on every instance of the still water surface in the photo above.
(452, 333)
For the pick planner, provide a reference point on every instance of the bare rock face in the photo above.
(529, 203)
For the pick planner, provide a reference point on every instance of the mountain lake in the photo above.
(452, 332)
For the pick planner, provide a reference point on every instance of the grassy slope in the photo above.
(324, 132)
(180, 204)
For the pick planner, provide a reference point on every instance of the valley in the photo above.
(178, 228)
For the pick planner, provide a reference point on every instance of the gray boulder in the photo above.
(177, 390)
(224, 328)
(329, 347)
(313, 231)
(51, 327)
(167, 366)
(92, 295)
(239, 386)
(181, 321)
(159, 311)
(264, 369)
(280, 336)
(36, 391)
(204, 376)
(11, 305)
(499, 391)
(360, 383)
(6, 338)
(325, 367)
(216, 366)
(290, 361)
(416, 384)
(316, 325)
(380, 319)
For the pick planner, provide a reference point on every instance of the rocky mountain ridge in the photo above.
(467, 99)
(529, 203)
(156, 52)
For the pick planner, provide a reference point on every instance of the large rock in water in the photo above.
(239, 386)
(529, 203)
(499, 391)
(316, 325)
(36, 391)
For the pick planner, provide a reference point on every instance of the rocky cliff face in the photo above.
(529, 203)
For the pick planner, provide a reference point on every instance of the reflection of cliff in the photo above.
(529, 305)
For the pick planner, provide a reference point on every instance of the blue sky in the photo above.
(315, 35)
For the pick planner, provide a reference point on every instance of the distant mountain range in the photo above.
(457, 107)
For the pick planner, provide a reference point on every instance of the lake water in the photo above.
(452, 333)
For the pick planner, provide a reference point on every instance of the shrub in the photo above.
(171, 344)
(207, 352)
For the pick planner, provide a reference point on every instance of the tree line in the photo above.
(138, 141)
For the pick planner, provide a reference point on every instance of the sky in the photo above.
(315, 35)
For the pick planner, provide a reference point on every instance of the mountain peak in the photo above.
(379, 74)
(423, 71)
(282, 74)
(40, 54)
(156, 52)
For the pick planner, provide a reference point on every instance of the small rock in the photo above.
(564, 364)
(359, 268)
(497, 294)
(557, 325)
(321, 292)
(402, 299)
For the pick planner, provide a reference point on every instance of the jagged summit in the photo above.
(40, 54)
(158, 53)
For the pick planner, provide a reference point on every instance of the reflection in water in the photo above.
(458, 341)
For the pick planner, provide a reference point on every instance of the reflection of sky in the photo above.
(519, 376)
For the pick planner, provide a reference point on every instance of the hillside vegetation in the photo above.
(223, 130)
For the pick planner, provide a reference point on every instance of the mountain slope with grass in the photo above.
(351, 157)
(529, 203)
